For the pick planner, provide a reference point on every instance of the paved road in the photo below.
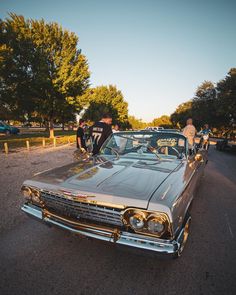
(35, 259)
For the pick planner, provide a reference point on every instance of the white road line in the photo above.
(228, 223)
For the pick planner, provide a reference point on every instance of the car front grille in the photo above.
(81, 211)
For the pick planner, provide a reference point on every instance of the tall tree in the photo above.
(213, 105)
(47, 71)
(163, 121)
(136, 123)
(181, 114)
(104, 99)
(16, 59)
(226, 99)
(204, 105)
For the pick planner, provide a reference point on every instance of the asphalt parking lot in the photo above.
(36, 259)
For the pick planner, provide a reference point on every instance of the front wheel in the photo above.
(184, 236)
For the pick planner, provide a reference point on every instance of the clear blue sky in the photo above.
(155, 51)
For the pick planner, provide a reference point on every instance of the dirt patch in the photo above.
(17, 167)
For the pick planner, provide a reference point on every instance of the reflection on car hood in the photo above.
(126, 181)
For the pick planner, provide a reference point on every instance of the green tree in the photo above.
(42, 68)
(136, 123)
(204, 105)
(226, 99)
(213, 105)
(163, 121)
(16, 73)
(104, 99)
(181, 114)
(5, 113)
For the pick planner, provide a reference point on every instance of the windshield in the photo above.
(146, 144)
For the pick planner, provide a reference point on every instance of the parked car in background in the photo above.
(170, 130)
(228, 142)
(136, 192)
(7, 129)
(154, 128)
(58, 125)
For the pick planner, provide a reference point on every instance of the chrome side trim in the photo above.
(106, 234)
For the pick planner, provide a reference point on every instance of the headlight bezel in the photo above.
(147, 217)
(26, 192)
(31, 194)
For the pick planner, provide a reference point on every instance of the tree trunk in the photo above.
(46, 126)
(63, 123)
(51, 129)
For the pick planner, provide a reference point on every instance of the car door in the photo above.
(195, 167)
(2, 128)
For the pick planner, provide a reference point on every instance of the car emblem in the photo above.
(75, 196)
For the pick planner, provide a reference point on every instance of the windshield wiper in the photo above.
(149, 147)
(154, 151)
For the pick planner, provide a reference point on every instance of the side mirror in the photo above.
(198, 158)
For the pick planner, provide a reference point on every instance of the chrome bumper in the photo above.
(105, 234)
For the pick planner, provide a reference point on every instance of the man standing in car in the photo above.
(100, 131)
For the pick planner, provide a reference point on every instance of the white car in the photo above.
(137, 192)
(154, 128)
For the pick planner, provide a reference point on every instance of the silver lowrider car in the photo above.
(137, 192)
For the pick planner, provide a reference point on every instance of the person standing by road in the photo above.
(206, 130)
(189, 131)
(80, 136)
(205, 135)
(100, 131)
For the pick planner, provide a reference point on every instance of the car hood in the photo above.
(126, 181)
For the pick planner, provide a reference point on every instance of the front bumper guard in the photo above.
(104, 233)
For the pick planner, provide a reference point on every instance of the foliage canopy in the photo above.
(105, 99)
(41, 69)
(214, 105)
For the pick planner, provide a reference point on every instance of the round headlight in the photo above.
(26, 191)
(136, 221)
(155, 225)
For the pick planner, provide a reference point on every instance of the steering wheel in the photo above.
(172, 148)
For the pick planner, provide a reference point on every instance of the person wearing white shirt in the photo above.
(116, 128)
(189, 131)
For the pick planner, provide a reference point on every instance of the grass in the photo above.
(32, 133)
(36, 139)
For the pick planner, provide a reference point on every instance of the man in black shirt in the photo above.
(80, 137)
(100, 131)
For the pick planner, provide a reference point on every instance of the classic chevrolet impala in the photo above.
(137, 192)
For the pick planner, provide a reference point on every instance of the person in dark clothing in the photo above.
(80, 137)
(100, 131)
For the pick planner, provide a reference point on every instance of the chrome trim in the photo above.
(30, 210)
(106, 234)
(147, 214)
(83, 200)
(83, 210)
